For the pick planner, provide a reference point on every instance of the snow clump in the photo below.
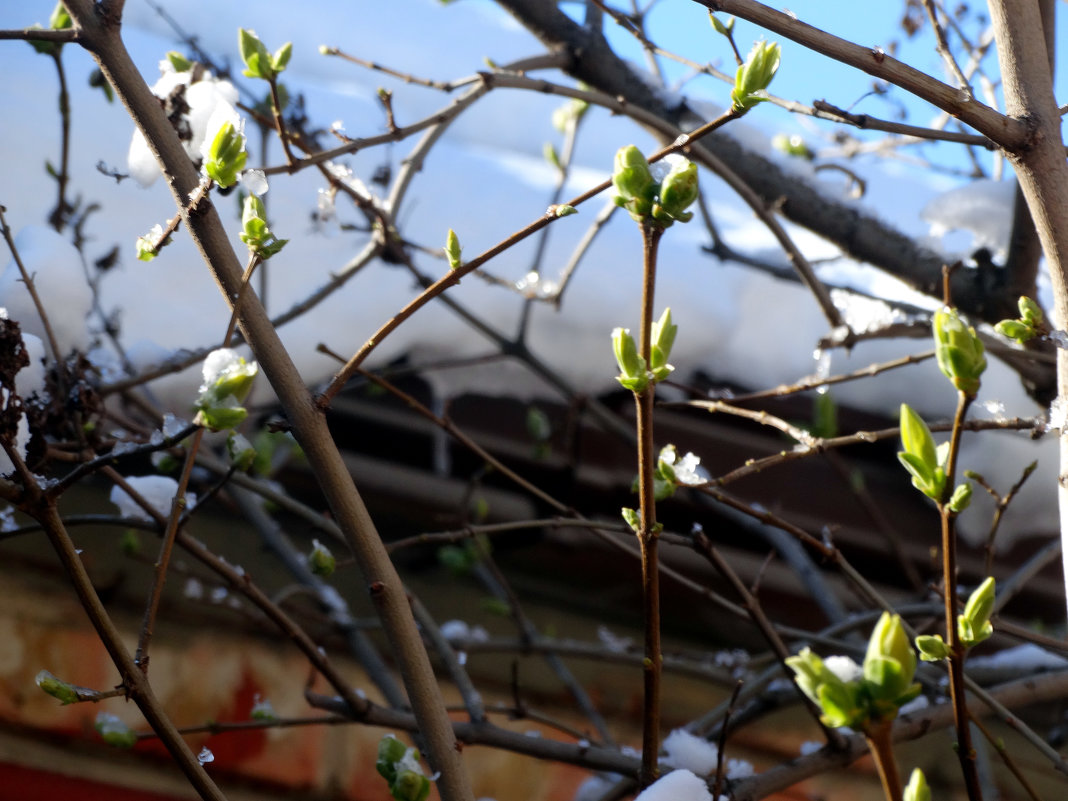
(159, 491)
(686, 750)
(679, 785)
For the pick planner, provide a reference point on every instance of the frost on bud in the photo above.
(662, 338)
(634, 183)
(255, 233)
(227, 156)
(722, 28)
(847, 696)
(920, 457)
(632, 366)
(114, 731)
(320, 560)
(889, 666)
(917, 789)
(399, 766)
(678, 191)
(754, 76)
(242, 454)
(62, 691)
(973, 625)
(149, 245)
(839, 701)
(932, 648)
(262, 709)
(453, 249)
(959, 351)
(227, 381)
(259, 63)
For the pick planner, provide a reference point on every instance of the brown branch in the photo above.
(309, 424)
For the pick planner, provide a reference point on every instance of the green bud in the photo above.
(255, 233)
(62, 691)
(792, 146)
(569, 113)
(1015, 330)
(281, 57)
(255, 54)
(452, 249)
(633, 182)
(320, 560)
(889, 666)
(227, 156)
(242, 454)
(632, 518)
(235, 379)
(917, 789)
(920, 456)
(754, 76)
(390, 752)
(678, 190)
(410, 786)
(724, 29)
(551, 155)
(263, 710)
(662, 338)
(179, 62)
(962, 496)
(932, 648)
(149, 245)
(563, 210)
(631, 365)
(228, 413)
(130, 543)
(839, 702)
(665, 465)
(60, 19)
(959, 351)
(114, 732)
(973, 625)
(1030, 311)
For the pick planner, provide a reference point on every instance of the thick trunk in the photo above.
(1041, 170)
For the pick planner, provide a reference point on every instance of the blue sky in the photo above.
(486, 179)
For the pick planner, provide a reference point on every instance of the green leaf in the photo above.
(754, 76)
(227, 156)
(60, 19)
(280, 59)
(320, 560)
(917, 789)
(932, 648)
(255, 55)
(114, 732)
(179, 62)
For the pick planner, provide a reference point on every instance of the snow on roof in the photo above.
(486, 179)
